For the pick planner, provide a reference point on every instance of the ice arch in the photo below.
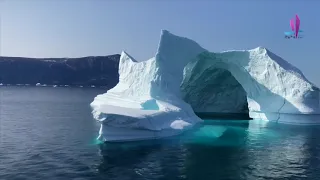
(213, 91)
(148, 101)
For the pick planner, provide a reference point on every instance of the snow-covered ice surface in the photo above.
(157, 98)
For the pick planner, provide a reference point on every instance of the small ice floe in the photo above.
(38, 84)
(55, 86)
(93, 86)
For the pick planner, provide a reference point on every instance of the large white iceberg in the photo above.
(159, 97)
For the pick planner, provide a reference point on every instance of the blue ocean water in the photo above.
(48, 133)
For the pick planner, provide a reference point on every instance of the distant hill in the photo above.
(85, 71)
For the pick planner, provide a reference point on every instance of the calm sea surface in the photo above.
(48, 133)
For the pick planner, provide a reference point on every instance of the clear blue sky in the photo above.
(74, 28)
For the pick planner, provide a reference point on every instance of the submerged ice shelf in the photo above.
(159, 97)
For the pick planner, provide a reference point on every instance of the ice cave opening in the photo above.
(213, 92)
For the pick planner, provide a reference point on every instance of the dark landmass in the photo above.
(85, 71)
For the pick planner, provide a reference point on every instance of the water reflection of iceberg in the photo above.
(278, 151)
(140, 160)
(249, 149)
(217, 133)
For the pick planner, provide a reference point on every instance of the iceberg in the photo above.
(160, 97)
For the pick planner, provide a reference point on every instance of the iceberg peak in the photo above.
(260, 50)
(126, 56)
(164, 31)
